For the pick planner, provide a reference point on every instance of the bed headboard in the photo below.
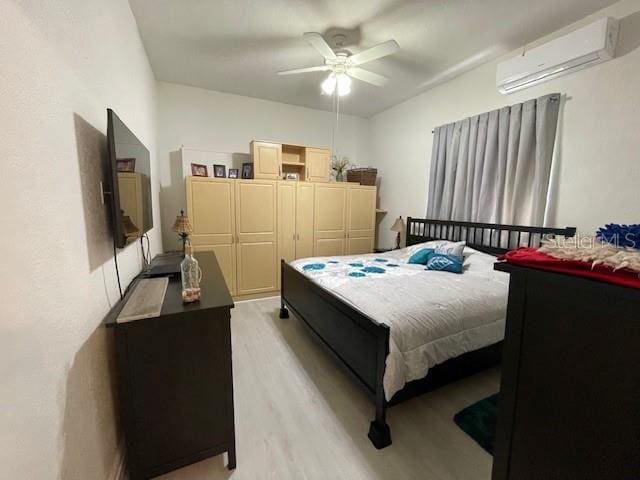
(492, 238)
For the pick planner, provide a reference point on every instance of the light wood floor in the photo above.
(298, 415)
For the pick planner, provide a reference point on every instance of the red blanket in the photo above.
(530, 257)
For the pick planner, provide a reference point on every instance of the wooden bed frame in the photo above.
(361, 344)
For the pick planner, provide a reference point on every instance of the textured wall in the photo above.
(597, 164)
(62, 63)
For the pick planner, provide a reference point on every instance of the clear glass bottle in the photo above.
(191, 275)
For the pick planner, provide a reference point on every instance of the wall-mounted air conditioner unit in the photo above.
(595, 43)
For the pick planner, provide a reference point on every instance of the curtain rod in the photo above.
(553, 97)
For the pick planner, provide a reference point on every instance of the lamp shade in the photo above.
(397, 225)
(182, 224)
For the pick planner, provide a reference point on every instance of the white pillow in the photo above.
(451, 248)
(440, 246)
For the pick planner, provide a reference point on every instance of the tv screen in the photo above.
(130, 166)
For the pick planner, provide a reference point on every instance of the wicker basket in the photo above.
(365, 176)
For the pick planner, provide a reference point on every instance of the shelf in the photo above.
(293, 164)
(380, 211)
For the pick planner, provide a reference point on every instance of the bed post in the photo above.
(284, 313)
(379, 432)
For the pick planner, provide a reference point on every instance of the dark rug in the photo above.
(479, 421)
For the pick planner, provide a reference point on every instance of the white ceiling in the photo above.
(237, 46)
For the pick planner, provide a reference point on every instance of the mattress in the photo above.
(432, 316)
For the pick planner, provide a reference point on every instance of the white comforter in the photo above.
(433, 316)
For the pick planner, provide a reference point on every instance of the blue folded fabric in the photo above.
(421, 256)
(313, 266)
(444, 263)
(373, 270)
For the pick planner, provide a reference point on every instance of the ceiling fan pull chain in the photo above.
(337, 120)
(333, 124)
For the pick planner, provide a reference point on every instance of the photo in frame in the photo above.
(233, 172)
(247, 170)
(199, 170)
(220, 171)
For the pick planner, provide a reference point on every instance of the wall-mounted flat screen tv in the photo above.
(130, 172)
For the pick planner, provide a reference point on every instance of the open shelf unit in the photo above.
(293, 160)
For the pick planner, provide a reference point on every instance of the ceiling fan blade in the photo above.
(373, 53)
(321, 68)
(367, 76)
(317, 42)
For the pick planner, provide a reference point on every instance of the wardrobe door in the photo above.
(304, 219)
(361, 219)
(286, 223)
(267, 160)
(256, 227)
(329, 219)
(318, 164)
(211, 209)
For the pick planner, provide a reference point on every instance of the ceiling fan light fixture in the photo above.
(329, 84)
(344, 84)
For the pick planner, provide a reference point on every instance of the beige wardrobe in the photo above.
(251, 224)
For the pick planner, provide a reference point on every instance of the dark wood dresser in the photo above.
(569, 404)
(175, 382)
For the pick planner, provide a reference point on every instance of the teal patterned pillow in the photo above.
(421, 256)
(444, 263)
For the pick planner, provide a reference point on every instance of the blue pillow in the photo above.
(421, 257)
(444, 263)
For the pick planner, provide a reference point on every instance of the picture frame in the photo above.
(247, 170)
(220, 171)
(199, 170)
(126, 165)
(234, 172)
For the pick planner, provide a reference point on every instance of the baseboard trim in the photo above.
(256, 296)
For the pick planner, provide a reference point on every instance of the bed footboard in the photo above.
(357, 341)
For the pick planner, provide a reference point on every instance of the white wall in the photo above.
(598, 150)
(209, 120)
(62, 64)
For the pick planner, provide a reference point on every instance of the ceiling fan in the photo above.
(343, 65)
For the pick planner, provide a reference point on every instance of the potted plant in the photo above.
(340, 167)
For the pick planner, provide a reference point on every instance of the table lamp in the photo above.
(183, 227)
(397, 227)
